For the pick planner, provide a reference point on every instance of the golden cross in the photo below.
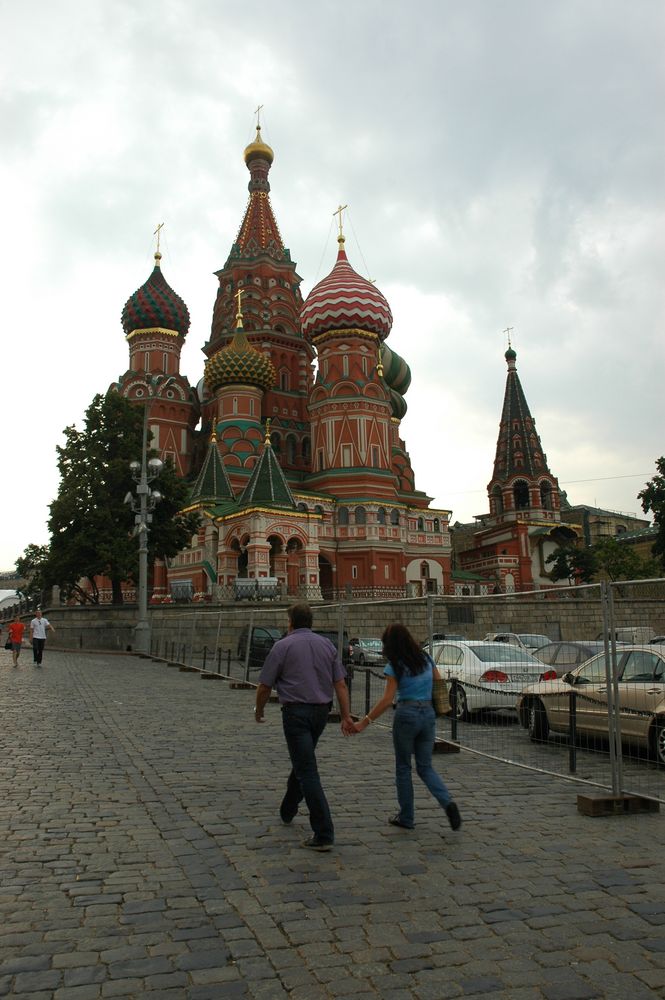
(508, 331)
(157, 233)
(258, 115)
(239, 313)
(340, 209)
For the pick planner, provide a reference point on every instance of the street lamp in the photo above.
(143, 473)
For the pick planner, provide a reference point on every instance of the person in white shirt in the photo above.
(38, 629)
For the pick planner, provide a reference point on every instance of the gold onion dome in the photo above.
(239, 364)
(258, 148)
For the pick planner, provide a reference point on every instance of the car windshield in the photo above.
(497, 652)
(534, 641)
(375, 644)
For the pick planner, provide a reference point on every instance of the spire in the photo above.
(267, 484)
(212, 483)
(518, 450)
(258, 232)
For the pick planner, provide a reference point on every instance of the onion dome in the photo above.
(396, 372)
(155, 307)
(345, 301)
(239, 364)
(258, 149)
(398, 405)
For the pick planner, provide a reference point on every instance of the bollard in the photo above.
(572, 732)
(219, 661)
(228, 662)
(205, 656)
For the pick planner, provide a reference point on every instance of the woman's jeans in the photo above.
(414, 728)
(303, 725)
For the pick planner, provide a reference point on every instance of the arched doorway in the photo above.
(294, 550)
(326, 578)
(240, 549)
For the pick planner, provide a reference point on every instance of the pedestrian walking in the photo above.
(409, 673)
(39, 626)
(305, 669)
(15, 629)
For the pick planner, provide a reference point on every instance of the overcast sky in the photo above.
(503, 163)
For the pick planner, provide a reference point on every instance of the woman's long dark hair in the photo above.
(402, 651)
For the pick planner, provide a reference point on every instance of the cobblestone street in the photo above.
(142, 854)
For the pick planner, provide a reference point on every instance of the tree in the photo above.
(92, 528)
(653, 501)
(32, 569)
(619, 561)
(577, 565)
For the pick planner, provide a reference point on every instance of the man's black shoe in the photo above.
(314, 844)
(396, 821)
(453, 815)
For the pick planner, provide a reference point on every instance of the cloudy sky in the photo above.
(503, 163)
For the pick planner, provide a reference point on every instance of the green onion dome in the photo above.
(397, 404)
(155, 307)
(239, 364)
(396, 372)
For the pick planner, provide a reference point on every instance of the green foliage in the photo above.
(617, 561)
(653, 501)
(577, 565)
(32, 568)
(92, 529)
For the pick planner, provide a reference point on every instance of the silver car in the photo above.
(488, 674)
(366, 651)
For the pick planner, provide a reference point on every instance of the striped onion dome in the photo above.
(155, 306)
(398, 405)
(345, 301)
(239, 364)
(396, 372)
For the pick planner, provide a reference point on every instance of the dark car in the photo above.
(333, 635)
(264, 638)
(567, 654)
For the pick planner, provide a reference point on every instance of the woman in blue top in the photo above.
(409, 681)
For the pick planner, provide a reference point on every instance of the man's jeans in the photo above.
(414, 729)
(38, 649)
(303, 725)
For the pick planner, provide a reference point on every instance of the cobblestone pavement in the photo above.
(141, 854)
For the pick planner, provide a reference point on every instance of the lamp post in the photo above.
(143, 473)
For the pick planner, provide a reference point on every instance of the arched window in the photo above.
(290, 449)
(546, 495)
(394, 516)
(381, 515)
(318, 509)
(306, 450)
(424, 569)
(361, 516)
(284, 381)
(521, 494)
(276, 442)
(342, 515)
(436, 524)
(497, 497)
(421, 524)
(302, 507)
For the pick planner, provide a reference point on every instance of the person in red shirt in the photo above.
(16, 630)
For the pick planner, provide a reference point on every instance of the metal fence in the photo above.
(564, 682)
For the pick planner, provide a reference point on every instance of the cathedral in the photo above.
(291, 439)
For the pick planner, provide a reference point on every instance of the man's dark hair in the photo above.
(300, 616)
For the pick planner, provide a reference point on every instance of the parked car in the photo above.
(544, 708)
(333, 635)
(527, 640)
(263, 639)
(366, 651)
(488, 674)
(565, 656)
(658, 640)
(442, 637)
(631, 633)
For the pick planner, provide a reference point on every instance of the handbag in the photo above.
(440, 699)
(8, 644)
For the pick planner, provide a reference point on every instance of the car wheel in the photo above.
(361, 660)
(461, 707)
(537, 723)
(658, 741)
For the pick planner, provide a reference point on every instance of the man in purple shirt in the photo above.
(305, 668)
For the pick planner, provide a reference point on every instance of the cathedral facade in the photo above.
(291, 439)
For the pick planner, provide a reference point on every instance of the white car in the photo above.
(364, 651)
(488, 674)
(525, 640)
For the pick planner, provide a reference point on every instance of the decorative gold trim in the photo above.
(348, 332)
(153, 329)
